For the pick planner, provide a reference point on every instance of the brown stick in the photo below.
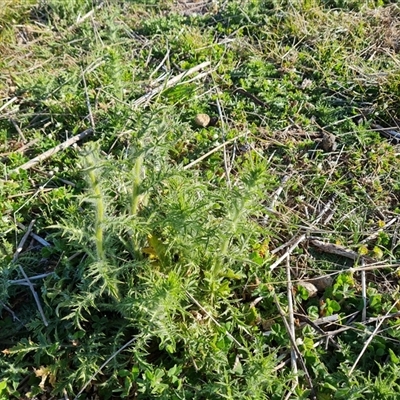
(275, 197)
(18, 129)
(292, 332)
(39, 239)
(376, 233)
(220, 146)
(79, 20)
(295, 347)
(21, 149)
(389, 133)
(369, 340)
(103, 365)
(171, 82)
(9, 102)
(298, 240)
(22, 242)
(363, 293)
(47, 154)
(15, 318)
(250, 96)
(29, 283)
(339, 250)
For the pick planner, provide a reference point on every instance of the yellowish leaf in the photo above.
(377, 253)
(363, 250)
(43, 373)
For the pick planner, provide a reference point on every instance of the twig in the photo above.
(22, 242)
(9, 102)
(220, 146)
(251, 96)
(15, 257)
(376, 233)
(88, 105)
(50, 174)
(35, 296)
(294, 346)
(171, 82)
(161, 64)
(320, 321)
(226, 166)
(365, 192)
(291, 326)
(22, 282)
(83, 18)
(333, 169)
(18, 129)
(368, 321)
(195, 78)
(103, 365)
(389, 133)
(329, 216)
(31, 278)
(369, 341)
(275, 197)
(278, 191)
(335, 320)
(192, 7)
(32, 192)
(40, 240)
(159, 79)
(22, 148)
(47, 154)
(383, 317)
(25, 283)
(374, 266)
(15, 318)
(79, 20)
(338, 250)
(256, 301)
(282, 364)
(395, 237)
(363, 292)
(284, 245)
(298, 240)
(325, 210)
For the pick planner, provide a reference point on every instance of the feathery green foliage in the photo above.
(159, 280)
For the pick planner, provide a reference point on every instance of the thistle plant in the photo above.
(160, 283)
(99, 267)
(92, 167)
(136, 180)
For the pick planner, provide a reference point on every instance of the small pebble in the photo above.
(322, 282)
(202, 120)
(244, 148)
(311, 289)
(329, 142)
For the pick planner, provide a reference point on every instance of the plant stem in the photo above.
(136, 185)
(99, 209)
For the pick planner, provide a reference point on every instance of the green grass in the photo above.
(161, 283)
